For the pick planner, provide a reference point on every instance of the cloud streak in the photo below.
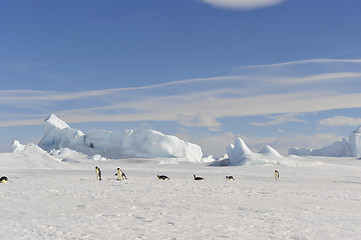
(278, 119)
(298, 62)
(338, 121)
(196, 102)
(242, 4)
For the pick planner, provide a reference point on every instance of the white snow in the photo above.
(54, 194)
(53, 199)
(117, 144)
(239, 154)
(344, 148)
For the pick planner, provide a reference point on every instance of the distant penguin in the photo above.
(4, 179)
(98, 173)
(163, 177)
(121, 175)
(198, 178)
(277, 175)
(230, 178)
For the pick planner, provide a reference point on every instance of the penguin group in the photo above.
(121, 176)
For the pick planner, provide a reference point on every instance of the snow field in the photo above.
(308, 202)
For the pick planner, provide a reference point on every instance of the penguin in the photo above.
(98, 173)
(121, 175)
(230, 178)
(277, 175)
(198, 178)
(4, 179)
(163, 177)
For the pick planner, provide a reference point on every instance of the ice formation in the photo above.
(117, 144)
(344, 148)
(239, 154)
(31, 156)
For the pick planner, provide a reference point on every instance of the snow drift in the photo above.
(117, 144)
(30, 156)
(239, 154)
(344, 148)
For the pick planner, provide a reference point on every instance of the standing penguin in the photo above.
(121, 175)
(277, 175)
(98, 173)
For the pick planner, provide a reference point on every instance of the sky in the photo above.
(283, 73)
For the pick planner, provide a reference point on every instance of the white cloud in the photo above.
(199, 120)
(338, 121)
(226, 96)
(298, 62)
(242, 4)
(211, 144)
(278, 119)
(317, 78)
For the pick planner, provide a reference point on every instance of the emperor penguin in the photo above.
(230, 178)
(4, 179)
(277, 175)
(198, 178)
(98, 173)
(163, 177)
(121, 175)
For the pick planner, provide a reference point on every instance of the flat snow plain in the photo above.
(318, 199)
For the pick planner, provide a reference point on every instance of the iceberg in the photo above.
(343, 148)
(239, 154)
(117, 144)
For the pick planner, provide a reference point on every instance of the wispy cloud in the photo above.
(338, 121)
(199, 120)
(298, 62)
(242, 4)
(278, 119)
(317, 78)
(199, 101)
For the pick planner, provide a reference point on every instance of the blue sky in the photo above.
(283, 73)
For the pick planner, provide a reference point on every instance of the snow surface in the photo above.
(54, 194)
(117, 144)
(343, 148)
(57, 196)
